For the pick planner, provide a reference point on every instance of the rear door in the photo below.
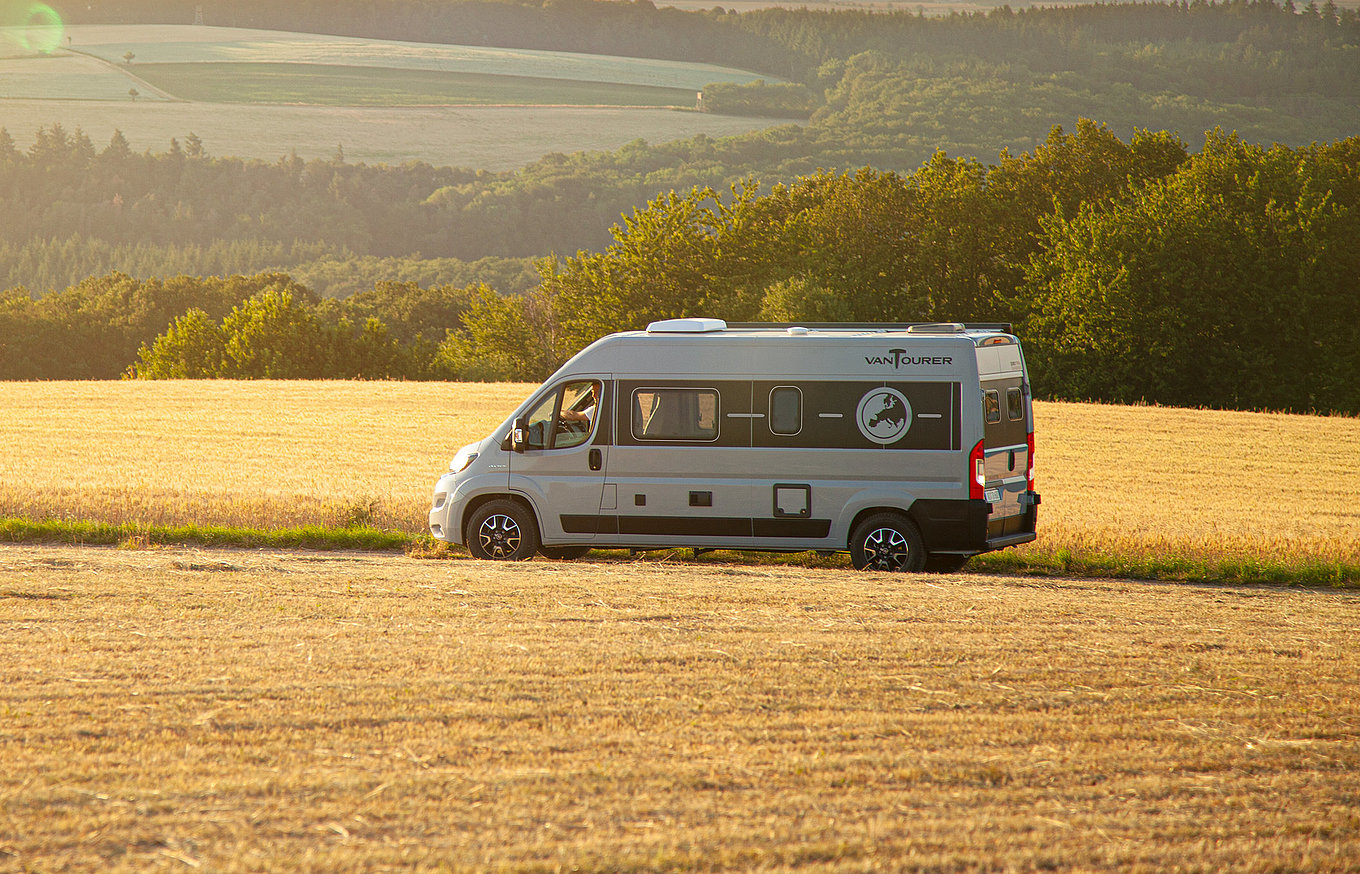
(1006, 427)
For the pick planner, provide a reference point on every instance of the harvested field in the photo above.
(250, 711)
(485, 137)
(62, 78)
(1116, 481)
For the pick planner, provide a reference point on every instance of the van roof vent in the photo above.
(937, 328)
(687, 326)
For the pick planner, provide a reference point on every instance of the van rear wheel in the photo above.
(502, 530)
(887, 542)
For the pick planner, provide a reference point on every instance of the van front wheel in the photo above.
(502, 531)
(887, 542)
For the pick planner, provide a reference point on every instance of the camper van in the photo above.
(911, 446)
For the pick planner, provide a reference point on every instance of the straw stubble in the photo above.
(282, 711)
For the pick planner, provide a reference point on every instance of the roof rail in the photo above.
(1002, 327)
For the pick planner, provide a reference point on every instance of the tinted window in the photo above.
(991, 405)
(675, 414)
(786, 411)
(1015, 408)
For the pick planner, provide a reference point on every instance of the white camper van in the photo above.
(910, 446)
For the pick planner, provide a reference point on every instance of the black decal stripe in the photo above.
(700, 526)
(814, 528)
(686, 526)
(955, 417)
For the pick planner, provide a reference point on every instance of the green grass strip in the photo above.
(104, 534)
(1227, 570)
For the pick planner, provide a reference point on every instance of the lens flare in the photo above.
(41, 29)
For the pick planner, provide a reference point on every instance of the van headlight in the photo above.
(465, 456)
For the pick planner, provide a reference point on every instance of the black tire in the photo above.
(502, 530)
(563, 553)
(887, 542)
(945, 564)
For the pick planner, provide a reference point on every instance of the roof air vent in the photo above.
(687, 326)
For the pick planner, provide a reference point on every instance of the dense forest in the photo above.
(1135, 271)
(1140, 258)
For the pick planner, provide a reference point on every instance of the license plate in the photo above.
(993, 496)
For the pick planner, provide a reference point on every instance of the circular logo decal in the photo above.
(883, 415)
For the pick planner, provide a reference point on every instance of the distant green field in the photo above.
(266, 94)
(334, 85)
(172, 44)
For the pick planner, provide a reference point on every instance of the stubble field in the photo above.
(231, 710)
(271, 711)
(1134, 484)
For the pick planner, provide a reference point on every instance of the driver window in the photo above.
(572, 408)
(580, 400)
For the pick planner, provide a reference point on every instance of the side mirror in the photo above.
(520, 435)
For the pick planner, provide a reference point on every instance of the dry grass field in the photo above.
(227, 710)
(1199, 483)
(1121, 481)
(271, 711)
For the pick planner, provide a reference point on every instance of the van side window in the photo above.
(1015, 408)
(786, 411)
(991, 406)
(675, 414)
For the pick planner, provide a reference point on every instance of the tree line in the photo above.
(266, 325)
(1134, 271)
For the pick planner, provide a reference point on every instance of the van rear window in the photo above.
(991, 405)
(1015, 407)
(675, 414)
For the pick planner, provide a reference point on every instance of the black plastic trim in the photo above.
(952, 524)
(703, 526)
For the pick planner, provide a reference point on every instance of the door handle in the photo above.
(596, 459)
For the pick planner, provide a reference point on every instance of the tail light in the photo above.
(1029, 473)
(977, 472)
